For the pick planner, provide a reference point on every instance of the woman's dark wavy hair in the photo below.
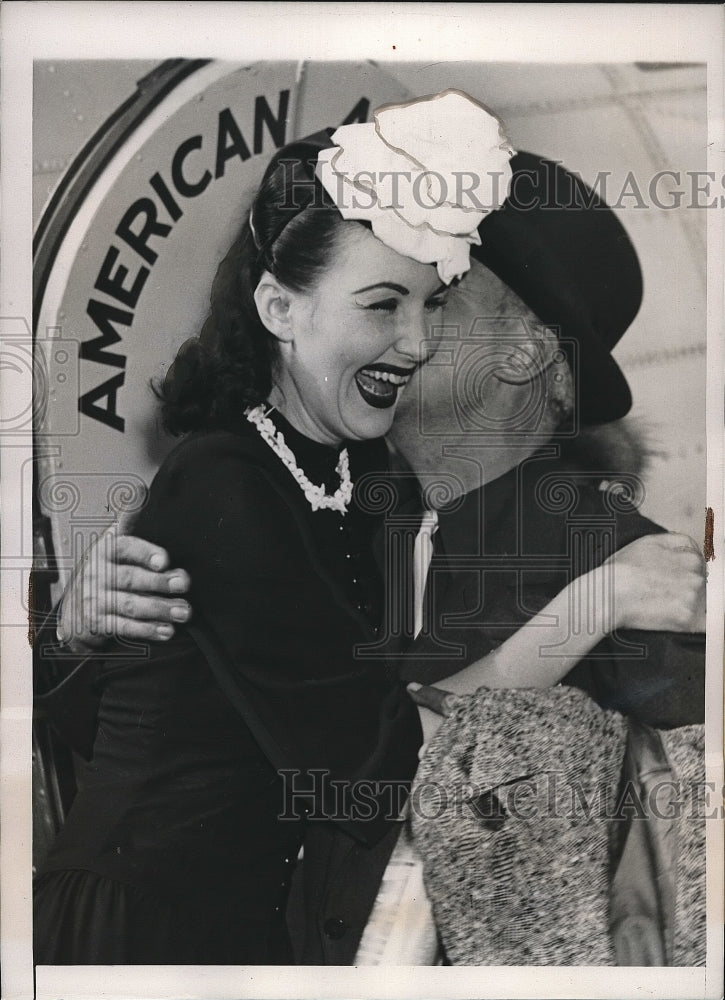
(230, 366)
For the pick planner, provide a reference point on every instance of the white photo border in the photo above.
(477, 32)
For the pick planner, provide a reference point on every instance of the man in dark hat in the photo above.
(525, 502)
(519, 420)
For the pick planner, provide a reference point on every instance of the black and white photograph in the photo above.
(362, 500)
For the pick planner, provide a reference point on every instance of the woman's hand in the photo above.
(659, 584)
(119, 589)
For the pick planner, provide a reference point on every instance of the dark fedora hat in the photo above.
(563, 251)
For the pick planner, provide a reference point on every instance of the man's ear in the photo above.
(273, 305)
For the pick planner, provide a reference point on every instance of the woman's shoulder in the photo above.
(204, 448)
(214, 477)
(205, 459)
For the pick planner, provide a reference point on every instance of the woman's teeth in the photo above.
(386, 376)
(379, 388)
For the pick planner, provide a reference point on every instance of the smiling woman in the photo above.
(383, 324)
(174, 850)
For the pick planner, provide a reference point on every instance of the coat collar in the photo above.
(464, 524)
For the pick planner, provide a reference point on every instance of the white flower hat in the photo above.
(424, 174)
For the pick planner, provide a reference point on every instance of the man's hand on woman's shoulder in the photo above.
(122, 587)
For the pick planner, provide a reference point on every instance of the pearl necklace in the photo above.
(316, 495)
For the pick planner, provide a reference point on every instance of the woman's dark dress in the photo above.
(173, 851)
